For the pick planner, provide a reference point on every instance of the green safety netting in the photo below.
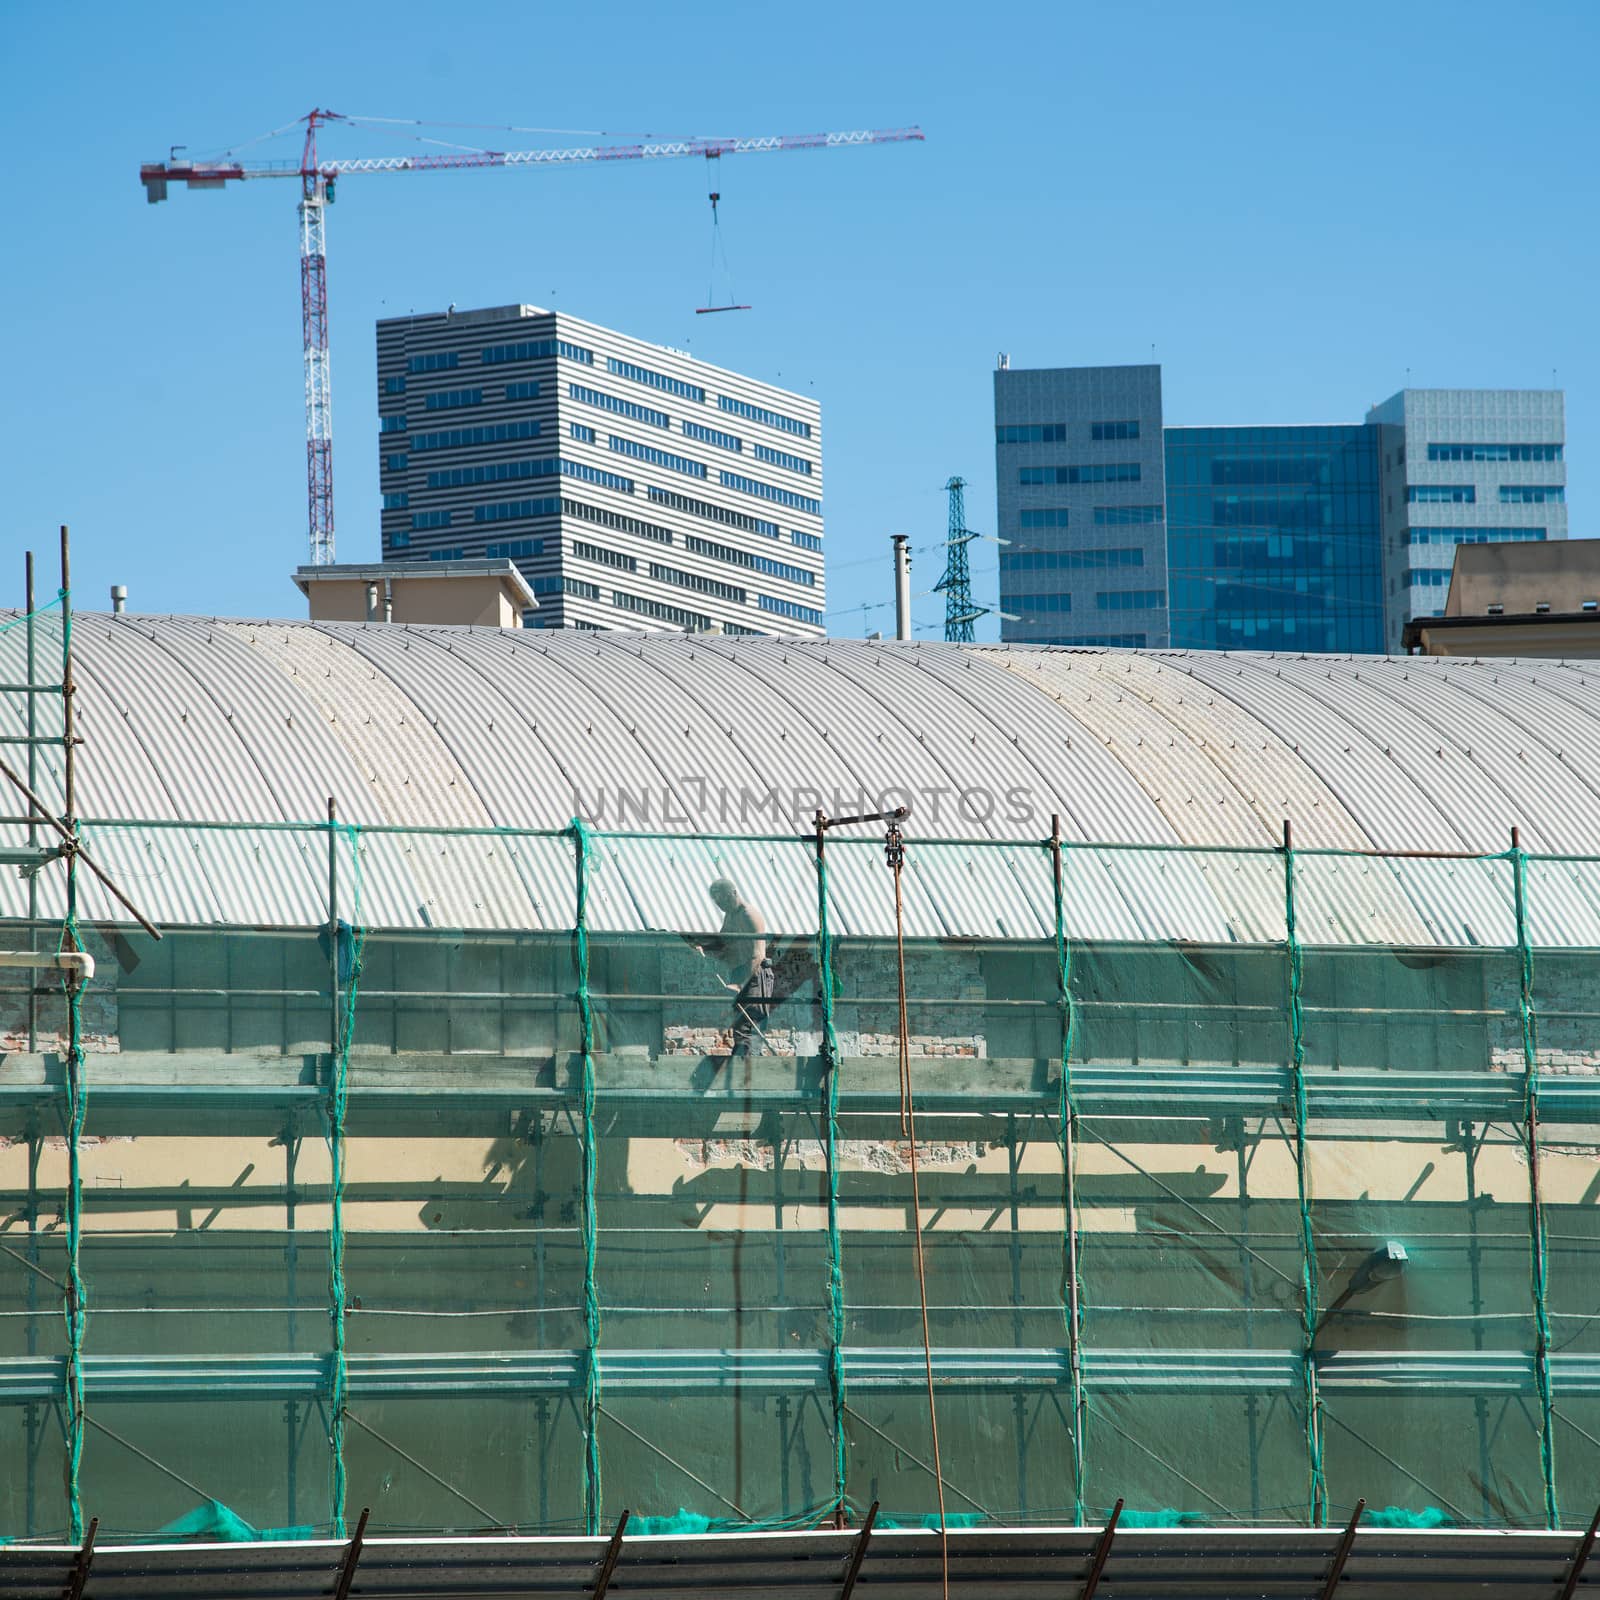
(490, 1183)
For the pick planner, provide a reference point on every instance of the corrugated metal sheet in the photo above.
(433, 727)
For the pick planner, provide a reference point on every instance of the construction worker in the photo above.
(742, 944)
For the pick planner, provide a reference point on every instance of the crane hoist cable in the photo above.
(712, 305)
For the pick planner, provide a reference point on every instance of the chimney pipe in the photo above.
(119, 599)
(388, 599)
(902, 586)
(372, 602)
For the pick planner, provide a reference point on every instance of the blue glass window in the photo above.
(806, 541)
(512, 510)
(676, 615)
(1099, 472)
(1046, 602)
(622, 408)
(451, 399)
(609, 558)
(1126, 516)
(453, 553)
(1114, 430)
(1454, 536)
(421, 521)
(782, 458)
(773, 419)
(659, 458)
(514, 550)
(399, 541)
(1428, 578)
(396, 463)
(579, 588)
(396, 502)
(1069, 560)
(523, 391)
(434, 361)
(1532, 494)
(618, 520)
(693, 580)
(1050, 517)
(788, 608)
(1442, 494)
(491, 472)
(394, 385)
(392, 424)
(582, 432)
(536, 350)
(1030, 433)
(488, 433)
(711, 513)
(656, 380)
(744, 558)
(767, 491)
(1494, 452)
(723, 441)
(1130, 600)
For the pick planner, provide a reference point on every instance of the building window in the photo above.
(1070, 560)
(451, 399)
(1099, 472)
(618, 520)
(659, 458)
(767, 491)
(1114, 430)
(597, 475)
(1130, 600)
(656, 380)
(1441, 494)
(773, 419)
(1125, 516)
(693, 580)
(1106, 641)
(396, 463)
(582, 432)
(1045, 602)
(578, 588)
(711, 513)
(1030, 433)
(491, 472)
(522, 391)
(782, 458)
(1453, 536)
(535, 350)
(622, 408)
(1051, 517)
(422, 521)
(396, 502)
(787, 608)
(434, 361)
(394, 385)
(723, 441)
(399, 541)
(513, 510)
(1532, 494)
(488, 433)
(676, 615)
(1494, 452)
(585, 551)
(514, 550)
(1427, 578)
(754, 563)
(392, 424)
(806, 541)
(453, 553)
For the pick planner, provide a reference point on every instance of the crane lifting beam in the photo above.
(317, 178)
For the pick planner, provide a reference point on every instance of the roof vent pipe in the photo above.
(372, 602)
(388, 599)
(902, 586)
(119, 599)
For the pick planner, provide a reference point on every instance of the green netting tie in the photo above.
(591, 1299)
(830, 1071)
(1310, 1285)
(349, 943)
(76, 1301)
(1066, 1139)
(1539, 1237)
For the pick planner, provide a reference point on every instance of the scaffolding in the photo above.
(484, 1227)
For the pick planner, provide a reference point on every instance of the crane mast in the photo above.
(317, 178)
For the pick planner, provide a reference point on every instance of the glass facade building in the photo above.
(1274, 538)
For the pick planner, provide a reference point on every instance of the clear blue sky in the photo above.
(1295, 207)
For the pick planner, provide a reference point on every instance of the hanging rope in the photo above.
(591, 1300)
(349, 940)
(76, 1303)
(896, 853)
(1310, 1286)
(830, 1073)
(1066, 1137)
(1530, 1128)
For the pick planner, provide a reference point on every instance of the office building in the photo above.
(1465, 466)
(1321, 538)
(633, 486)
(1080, 482)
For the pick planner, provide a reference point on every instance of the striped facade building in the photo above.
(633, 486)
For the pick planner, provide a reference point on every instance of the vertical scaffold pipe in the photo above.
(1538, 1236)
(1066, 1134)
(591, 1299)
(830, 1091)
(1310, 1283)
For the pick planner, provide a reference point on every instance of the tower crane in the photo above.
(317, 178)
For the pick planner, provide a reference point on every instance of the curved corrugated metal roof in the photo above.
(187, 719)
